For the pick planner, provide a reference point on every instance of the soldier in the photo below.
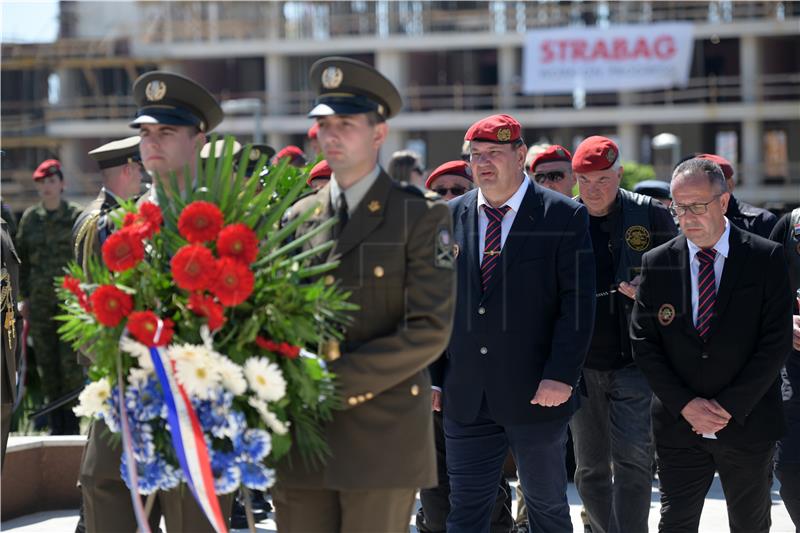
(219, 146)
(655, 189)
(395, 251)
(174, 114)
(44, 244)
(743, 215)
(256, 151)
(552, 169)
(320, 175)
(12, 326)
(295, 154)
(121, 170)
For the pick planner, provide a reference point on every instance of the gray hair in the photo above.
(698, 166)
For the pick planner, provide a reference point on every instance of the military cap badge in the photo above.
(611, 155)
(504, 134)
(255, 153)
(332, 77)
(155, 90)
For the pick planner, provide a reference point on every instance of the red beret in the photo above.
(47, 168)
(554, 152)
(724, 164)
(456, 168)
(320, 170)
(289, 151)
(313, 130)
(595, 153)
(500, 129)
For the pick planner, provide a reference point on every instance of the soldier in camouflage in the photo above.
(44, 245)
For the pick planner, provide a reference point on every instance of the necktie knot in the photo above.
(496, 213)
(707, 255)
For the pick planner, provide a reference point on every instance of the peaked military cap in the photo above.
(256, 151)
(218, 146)
(117, 153)
(348, 87)
(653, 188)
(168, 98)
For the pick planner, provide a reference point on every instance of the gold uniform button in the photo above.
(378, 271)
(369, 396)
(352, 400)
(329, 279)
(481, 310)
(414, 390)
(362, 398)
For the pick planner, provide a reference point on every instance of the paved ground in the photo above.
(714, 519)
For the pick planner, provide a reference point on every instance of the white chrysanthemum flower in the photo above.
(231, 375)
(93, 399)
(199, 374)
(271, 419)
(265, 379)
(138, 350)
(139, 376)
(187, 352)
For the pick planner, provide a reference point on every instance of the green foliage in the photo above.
(633, 173)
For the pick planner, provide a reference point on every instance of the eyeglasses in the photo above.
(456, 190)
(548, 176)
(677, 210)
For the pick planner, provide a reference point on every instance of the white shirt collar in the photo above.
(722, 247)
(514, 202)
(356, 192)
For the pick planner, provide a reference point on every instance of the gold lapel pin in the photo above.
(374, 206)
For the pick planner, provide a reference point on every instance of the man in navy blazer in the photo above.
(711, 328)
(524, 316)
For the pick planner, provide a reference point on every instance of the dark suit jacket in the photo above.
(535, 319)
(388, 259)
(739, 363)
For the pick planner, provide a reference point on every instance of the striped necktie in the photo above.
(706, 291)
(492, 242)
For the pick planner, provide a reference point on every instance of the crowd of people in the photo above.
(513, 303)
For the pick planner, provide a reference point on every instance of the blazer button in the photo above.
(352, 400)
(704, 355)
(414, 390)
(484, 350)
(481, 310)
(378, 271)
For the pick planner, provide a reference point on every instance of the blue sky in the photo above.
(29, 21)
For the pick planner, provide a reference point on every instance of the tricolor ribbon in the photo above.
(188, 440)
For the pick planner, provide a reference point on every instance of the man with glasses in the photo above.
(611, 430)
(552, 169)
(450, 180)
(711, 328)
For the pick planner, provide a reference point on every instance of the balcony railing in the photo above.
(708, 90)
(223, 21)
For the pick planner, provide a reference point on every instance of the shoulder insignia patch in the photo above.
(445, 252)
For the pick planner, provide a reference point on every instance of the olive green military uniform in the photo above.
(11, 329)
(396, 258)
(44, 243)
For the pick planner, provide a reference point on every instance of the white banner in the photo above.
(617, 58)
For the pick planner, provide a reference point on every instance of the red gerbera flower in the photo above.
(204, 305)
(73, 285)
(234, 282)
(194, 267)
(239, 242)
(111, 305)
(122, 250)
(143, 325)
(129, 220)
(151, 215)
(200, 222)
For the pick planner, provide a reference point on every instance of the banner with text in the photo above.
(617, 58)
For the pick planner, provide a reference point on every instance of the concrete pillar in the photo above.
(213, 21)
(750, 67)
(394, 65)
(277, 74)
(629, 141)
(750, 171)
(506, 73)
(75, 182)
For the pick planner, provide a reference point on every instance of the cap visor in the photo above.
(161, 118)
(338, 108)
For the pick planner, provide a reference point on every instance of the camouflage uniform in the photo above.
(44, 244)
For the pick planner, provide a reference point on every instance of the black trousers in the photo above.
(432, 515)
(686, 473)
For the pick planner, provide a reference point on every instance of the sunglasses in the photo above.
(548, 176)
(456, 190)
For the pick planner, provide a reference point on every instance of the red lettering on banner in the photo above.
(664, 47)
(600, 51)
(620, 48)
(641, 49)
(579, 49)
(547, 52)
